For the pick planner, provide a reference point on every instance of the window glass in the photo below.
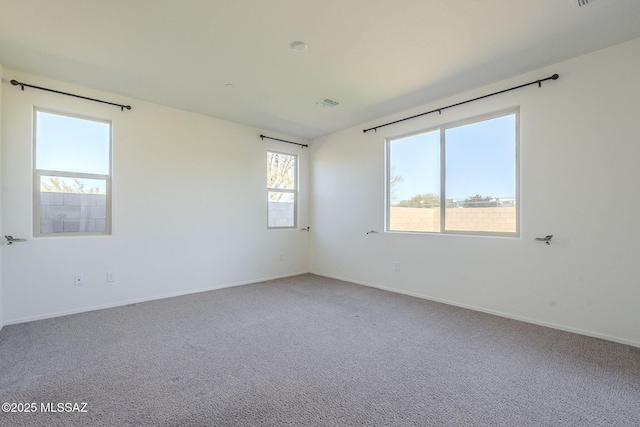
(414, 182)
(481, 176)
(71, 144)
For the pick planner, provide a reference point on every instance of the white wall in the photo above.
(580, 181)
(189, 208)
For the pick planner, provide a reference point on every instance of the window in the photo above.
(282, 190)
(469, 168)
(72, 175)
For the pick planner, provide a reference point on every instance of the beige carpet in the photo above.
(311, 351)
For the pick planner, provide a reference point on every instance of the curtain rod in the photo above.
(22, 86)
(439, 110)
(282, 140)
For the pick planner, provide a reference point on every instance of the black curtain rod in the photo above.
(439, 110)
(282, 140)
(22, 86)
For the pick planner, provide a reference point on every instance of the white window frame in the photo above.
(38, 173)
(443, 231)
(293, 191)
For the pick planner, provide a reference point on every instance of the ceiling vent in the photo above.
(326, 103)
(581, 3)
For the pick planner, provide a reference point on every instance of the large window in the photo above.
(461, 178)
(282, 190)
(72, 174)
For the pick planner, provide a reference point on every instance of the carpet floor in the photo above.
(310, 351)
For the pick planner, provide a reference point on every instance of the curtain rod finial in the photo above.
(17, 83)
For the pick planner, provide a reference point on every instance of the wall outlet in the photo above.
(396, 266)
(111, 276)
(78, 279)
(281, 257)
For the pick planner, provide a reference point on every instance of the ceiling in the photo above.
(375, 57)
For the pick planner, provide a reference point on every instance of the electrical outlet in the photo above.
(577, 4)
(78, 279)
(396, 266)
(111, 276)
(281, 257)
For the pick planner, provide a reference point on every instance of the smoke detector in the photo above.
(326, 103)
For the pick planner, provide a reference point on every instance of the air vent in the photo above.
(326, 103)
(581, 3)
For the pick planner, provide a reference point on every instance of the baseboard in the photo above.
(489, 311)
(146, 299)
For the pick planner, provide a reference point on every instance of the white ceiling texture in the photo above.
(232, 59)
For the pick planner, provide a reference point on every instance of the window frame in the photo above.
(442, 129)
(39, 173)
(293, 191)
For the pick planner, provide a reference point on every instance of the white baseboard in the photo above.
(144, 299)
(489, 311)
